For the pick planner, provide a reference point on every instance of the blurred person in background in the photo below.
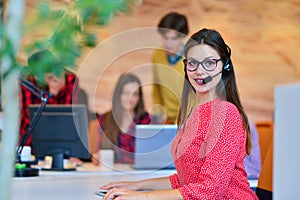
(63, 86)
(117, 126)
(168, 73)
(253, 161)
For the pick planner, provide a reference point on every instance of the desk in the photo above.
(78, 185)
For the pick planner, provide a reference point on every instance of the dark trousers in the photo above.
(264, 194)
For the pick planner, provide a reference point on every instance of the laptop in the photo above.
(153, 146)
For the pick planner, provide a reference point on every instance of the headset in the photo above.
(228, 64)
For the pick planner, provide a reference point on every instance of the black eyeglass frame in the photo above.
(198, 63)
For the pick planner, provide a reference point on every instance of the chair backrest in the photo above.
(265, 132)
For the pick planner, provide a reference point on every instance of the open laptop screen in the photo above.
(153, 146)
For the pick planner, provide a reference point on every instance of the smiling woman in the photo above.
(213, 136)
(209, 67)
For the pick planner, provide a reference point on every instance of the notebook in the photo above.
(153, 146)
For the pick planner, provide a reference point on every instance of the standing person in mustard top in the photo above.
(213, 135)
(168, 73)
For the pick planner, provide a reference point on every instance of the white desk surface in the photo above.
(81, 184)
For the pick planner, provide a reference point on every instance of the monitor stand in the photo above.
(58, 162)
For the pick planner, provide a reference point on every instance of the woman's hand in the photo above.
(124, 194)
(136, 185)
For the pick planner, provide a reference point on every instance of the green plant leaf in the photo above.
(68, 37)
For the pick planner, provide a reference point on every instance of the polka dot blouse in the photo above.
(209, 152)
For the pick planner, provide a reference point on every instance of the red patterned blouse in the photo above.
(209, 152)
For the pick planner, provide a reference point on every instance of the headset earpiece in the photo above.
(226, 66)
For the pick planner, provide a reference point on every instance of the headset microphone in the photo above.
(210, 78)
(225, 69)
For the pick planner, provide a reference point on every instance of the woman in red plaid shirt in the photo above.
(64, 88)
(117, 127)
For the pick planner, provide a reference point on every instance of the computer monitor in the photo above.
(286, 159)
(61, 131)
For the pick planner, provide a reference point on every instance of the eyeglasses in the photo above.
(209, 64)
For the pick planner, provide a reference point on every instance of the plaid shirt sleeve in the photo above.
(126, 142)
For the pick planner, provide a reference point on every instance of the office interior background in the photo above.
(264, 37)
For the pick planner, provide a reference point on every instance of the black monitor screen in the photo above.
(61, 131)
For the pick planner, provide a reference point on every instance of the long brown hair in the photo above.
(226, 89)
(115, 116)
